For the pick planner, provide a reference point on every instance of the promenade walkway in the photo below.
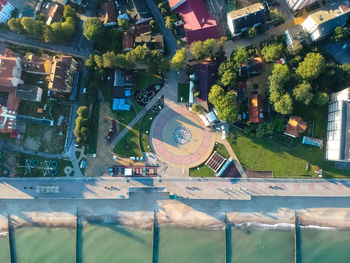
(184, 188)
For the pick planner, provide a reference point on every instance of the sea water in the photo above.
(322, 245)
(4, 248)
(45, 245)
(183, 245)
(262, 244)
(107, 243)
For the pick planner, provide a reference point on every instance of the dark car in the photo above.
(112, 132)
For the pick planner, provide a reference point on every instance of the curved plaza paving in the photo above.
(179, 137)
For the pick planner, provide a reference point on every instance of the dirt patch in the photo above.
(31, 143)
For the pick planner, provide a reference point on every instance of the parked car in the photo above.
(112, 131)
(84, 90)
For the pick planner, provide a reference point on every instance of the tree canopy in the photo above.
(93, 28)
(340, 33)
(302, 93)
(272, 52)
(312, 66)
(179, 59)
(225, 103)
(240, 55)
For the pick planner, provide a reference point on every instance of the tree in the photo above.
(320, 98)
(48, 34)
(312, 66)
(272, 52)
(90, 62)
(154, 26)
(38, 29)
(252, 32)
(241, 55)
(208, 46)
(224, 103)
(93, 28)
(340, 33)
(284, 105)
(15, 25)
(83, 111)
(302, 93)
(179, 59)
(68, 27)
(157, 63)
(69, 12)
(124, 23)
(27, 23)
(197, 109)
(169, 22)
(228, 78)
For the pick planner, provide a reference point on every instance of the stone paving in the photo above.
(180, 138)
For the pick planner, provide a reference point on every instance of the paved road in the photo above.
(168, 35)
(184, 188)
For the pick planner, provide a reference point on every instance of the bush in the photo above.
(196, 94)
(197, 109)
(320, 98)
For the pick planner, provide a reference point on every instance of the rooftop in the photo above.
(245, 11)
(199, 24)
(28, 92)
(110, 13)
(324, 15)
(127, 40)
(255, 108)
(295, 126)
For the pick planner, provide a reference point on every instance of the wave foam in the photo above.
(280, 226)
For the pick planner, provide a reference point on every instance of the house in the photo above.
(152, 42)
(295, 38)
(206, 74)
(10, 69)
(298, 5)
(110, 18)
(62, 74)
(122, 84)
(29, 92)
(338, 127)
(142, 26)
(322, 23)
(256, 111)
(198, 23)
(252, 67)
(127, 41)
(6, 9)
(37, 65)
(242, 19)
(55, 14)
(7, 120)
(295, 126)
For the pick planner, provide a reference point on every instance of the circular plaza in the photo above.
(179, 138)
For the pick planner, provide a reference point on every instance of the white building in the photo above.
(297, 5)
(5, 11)
(338, 127)
(322, 23)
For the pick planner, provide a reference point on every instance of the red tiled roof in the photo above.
(6, 69)
(110, 13)
(128, 41)
(199, 24)
(255, 108)
(295, 126)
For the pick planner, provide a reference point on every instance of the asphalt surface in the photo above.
(184, 188)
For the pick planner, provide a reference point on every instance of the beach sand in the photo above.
(139, 212)
(4, 229)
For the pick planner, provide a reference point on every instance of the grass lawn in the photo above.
(263, 155)
(145, 126)
(144, 79)
(39, 172)
(221, 149)
(92, 142)
(183, 92)
(203, 171)
(124, 117)
(130, 144)
(107, 94)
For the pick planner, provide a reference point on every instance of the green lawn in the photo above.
(203, 171)
(94, 122)
(183, 92)
(144, 79)
(145, 126)
(130, 144)
(221, 149)
(263, 155)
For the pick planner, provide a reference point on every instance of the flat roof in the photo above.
(324, 16)
(245, 11)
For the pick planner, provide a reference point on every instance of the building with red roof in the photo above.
(110, 18)
(127, 40)
(199, 24)
(256, 114)
(295, 126)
